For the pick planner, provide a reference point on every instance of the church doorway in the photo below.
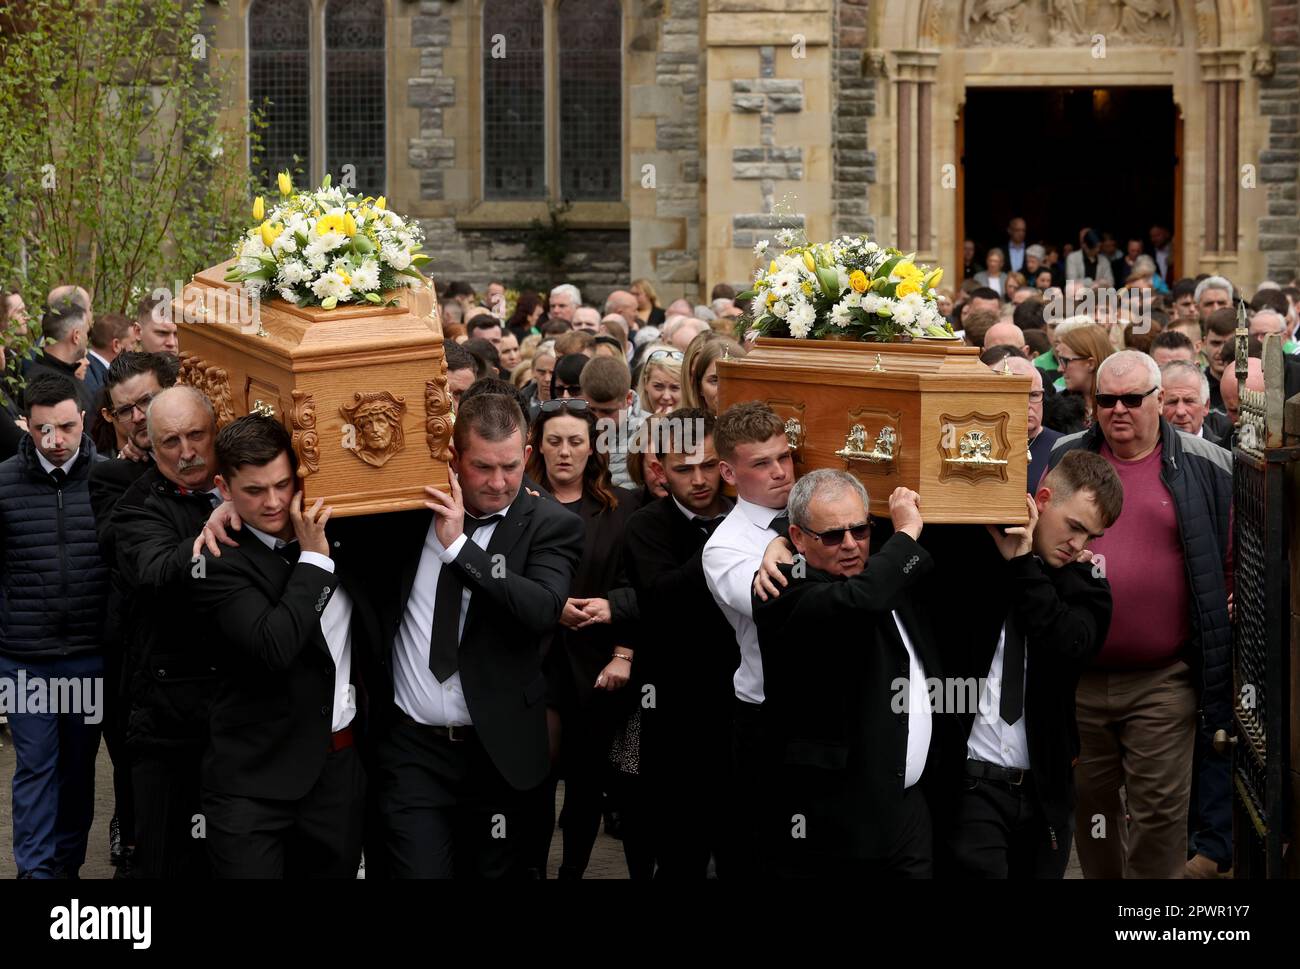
(1065, 158)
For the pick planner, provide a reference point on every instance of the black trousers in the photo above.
(445, 809)
(1000, 832)
(910, 855)
(753, 760)
(317, 836)
(169, 823)
(117, 705)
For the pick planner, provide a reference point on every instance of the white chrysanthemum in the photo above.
(840, 315)
(780, 309)
(331, 284)
(871, 302)
(284, 243)
(785, 237)
(288, 295)
(842, 278)
(366, 276)
(318, 261)
(852, 299)
(909, 308)
(802, 316)
(292, 272)
(396, 256)
(253, 245)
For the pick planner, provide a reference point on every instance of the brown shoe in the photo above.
(1200, 866)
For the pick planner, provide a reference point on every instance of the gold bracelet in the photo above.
(623, 656)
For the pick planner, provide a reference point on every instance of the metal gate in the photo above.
(1261, 628)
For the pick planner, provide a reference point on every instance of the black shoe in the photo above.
(115, 842)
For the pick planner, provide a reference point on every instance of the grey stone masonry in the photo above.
(1279, 163)
(428, 150)
(767, 94)
(677, 193)
(774, 162)
(853, 166)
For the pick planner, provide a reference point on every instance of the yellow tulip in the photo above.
(810, 262)
(381, 203)
(858, 280)
(270, 232)
(284, 182)
(349, 225)
(259, 209)
(934, 278)
(772, 268)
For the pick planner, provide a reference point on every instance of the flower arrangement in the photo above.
(326, 248)
(850, 288)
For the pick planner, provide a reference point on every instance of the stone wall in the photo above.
(1279, 162)
(854, 165)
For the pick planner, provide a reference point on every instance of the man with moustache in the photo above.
(846, 654)
(169, 672)
(687, 653)
(134, 379)
(755, 458)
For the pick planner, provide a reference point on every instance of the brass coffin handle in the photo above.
(975, 448)
(1223, 742)
(855, 446)
(794, 433)
(263, 408)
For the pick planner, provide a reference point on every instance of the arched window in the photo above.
(355, 93)
(514, 100)
(591, 99)
(279, 83)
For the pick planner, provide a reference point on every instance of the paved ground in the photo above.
(606, 858)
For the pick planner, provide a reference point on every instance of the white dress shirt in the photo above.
(731, 557)
(415, 689)
(991, 739)
(49, 465)
(335, 626)
(918, 711)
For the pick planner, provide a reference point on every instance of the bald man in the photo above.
(1228, 385)
(1270, 321)
(1004, 334)
(690, 328)
(168, 673)
(586, 318)
(624, 304)
(1041, 438)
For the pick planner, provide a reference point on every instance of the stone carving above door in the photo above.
(1062, 23)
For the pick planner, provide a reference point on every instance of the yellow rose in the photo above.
(259, 209)
(270, 232)
(907, 287)
(858, 280)
(284, 182)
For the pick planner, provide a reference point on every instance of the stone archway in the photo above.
(1215, 56)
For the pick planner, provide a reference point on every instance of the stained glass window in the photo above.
(355, 93)
(591, 99)
(514, 101)
(279, 83)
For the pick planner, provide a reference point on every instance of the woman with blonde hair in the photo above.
(700, 369)
(647, 303)
(1079, 353)
(659, 388)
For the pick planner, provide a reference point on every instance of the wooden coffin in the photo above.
(362, 388)
(925, 415)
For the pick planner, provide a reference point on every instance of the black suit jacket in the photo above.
(832, 659)
(1064, 614)
(1039, 451)
(270, 719)
(96, 374)
(514, 603)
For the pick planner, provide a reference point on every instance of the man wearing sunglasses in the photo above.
(845, 661)
(1161, 684)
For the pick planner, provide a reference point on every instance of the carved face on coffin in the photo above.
(377, 420)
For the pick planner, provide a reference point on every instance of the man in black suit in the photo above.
(134, 379)
(283, 785)
(464, 596)
(846, 656)
(1018, 668)
(687, 653)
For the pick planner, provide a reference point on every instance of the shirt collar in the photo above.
(106, 363)
(270, 541)
(50, 466)
(690, 515)
(757, 514)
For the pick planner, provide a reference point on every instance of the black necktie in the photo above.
(59, 477)
(710, 525)
(1013, 674)
(289, 551)
(780, 524)
(444, 641)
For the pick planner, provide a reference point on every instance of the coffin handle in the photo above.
(855, 446)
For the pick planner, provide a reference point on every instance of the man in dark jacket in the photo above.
(1164, 671)
(170, 673)
(846, 658)
(1017, 668)
(66, 326)
(134, 379)
(53, 586)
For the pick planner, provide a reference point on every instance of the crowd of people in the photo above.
(731, 665)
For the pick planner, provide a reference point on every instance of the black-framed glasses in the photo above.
(835, 536)
(124, 412)
(661, 354)
(576, 404)
(1066, 361)
(1036, 396)
(1131, 401)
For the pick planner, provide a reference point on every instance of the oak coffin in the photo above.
(363, 389)
(925, 415)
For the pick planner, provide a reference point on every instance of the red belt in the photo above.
(341, 739)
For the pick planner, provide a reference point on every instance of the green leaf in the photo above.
(747, 294)
(420, 259)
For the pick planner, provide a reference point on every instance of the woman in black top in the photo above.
(588, 664)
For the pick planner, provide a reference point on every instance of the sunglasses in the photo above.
(835, 536)
(576, 404)
(661, 354)
(124, 412)
(1131, 401)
